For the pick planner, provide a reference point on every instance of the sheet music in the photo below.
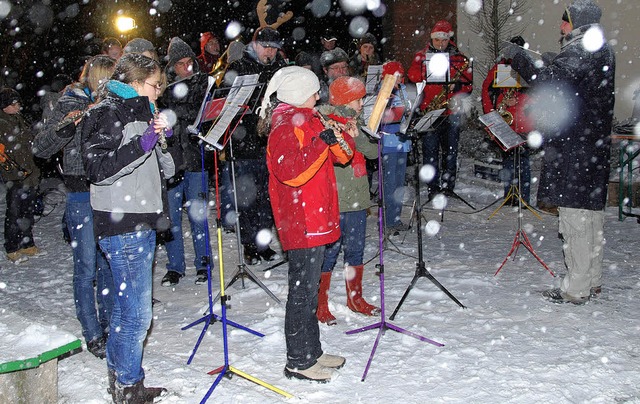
(367, 107)
(506, 138)
(404, 125)
(239, 93)
(505, 76)
(428, 119)
(195, 128)
(374, 75)
(437, 67)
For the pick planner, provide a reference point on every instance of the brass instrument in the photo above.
(441, 100)
(9, 164)
(502, 108)
(339, 128)
(71, 119)
(220, 67)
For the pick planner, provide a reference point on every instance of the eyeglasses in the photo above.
(188, 63)
(342, 67)
(157, 86)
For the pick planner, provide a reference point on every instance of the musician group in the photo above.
(299, 167)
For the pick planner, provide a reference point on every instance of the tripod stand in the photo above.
(521, 235)
(421, 270)
(383, 325)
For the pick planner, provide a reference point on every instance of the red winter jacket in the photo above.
(492, 97)
(302, 183)
(457, 61)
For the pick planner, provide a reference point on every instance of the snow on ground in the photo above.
(508, 346)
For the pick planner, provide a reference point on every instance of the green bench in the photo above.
(29, 353)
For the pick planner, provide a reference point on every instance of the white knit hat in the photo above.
(292, 85)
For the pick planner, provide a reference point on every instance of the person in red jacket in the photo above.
(445, 133)
(304, 198)
(512, 103)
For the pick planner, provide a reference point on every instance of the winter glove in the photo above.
(149, 139)
(510, 50)
(547, 57)
(328, 137)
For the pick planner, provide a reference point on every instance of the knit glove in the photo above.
(328, 137)
(149, 139)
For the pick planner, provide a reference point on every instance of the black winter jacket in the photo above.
(573, 101)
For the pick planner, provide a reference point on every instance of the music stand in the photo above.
(383, 324)
(507, 139)
(241, 91)
(235, 100)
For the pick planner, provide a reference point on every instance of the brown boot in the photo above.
(355, 301)
(322, 312)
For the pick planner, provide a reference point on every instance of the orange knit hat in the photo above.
(345, 89)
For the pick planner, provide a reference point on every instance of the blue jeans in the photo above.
(353, 229)
(509, 174)
(191, 190)
(89, 266)
(130, 256)
(393, 175)
(443, 139)
(301, 330)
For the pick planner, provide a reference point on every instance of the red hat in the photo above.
(442, 30)
(392, 67)
(345, 89)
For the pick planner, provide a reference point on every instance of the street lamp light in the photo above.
(125, 24)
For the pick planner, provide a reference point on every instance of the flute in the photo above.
(337, 128)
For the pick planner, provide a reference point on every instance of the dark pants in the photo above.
(301, 329)
(443, 139)
(18, 222)
(254, 207)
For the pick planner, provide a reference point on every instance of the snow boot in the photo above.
(137, 393)
(111, 375)
(355, 301)
(316, 373)
(322, 312)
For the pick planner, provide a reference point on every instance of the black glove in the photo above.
(328, 137)
(547, 57)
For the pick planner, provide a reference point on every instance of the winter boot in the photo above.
(322, 312)
(111, 375)
(137, 393)
(355, 301)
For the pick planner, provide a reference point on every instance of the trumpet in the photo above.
(338, 128)
(71, 119)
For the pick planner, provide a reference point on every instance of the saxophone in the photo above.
(502, 108)
(441, 100)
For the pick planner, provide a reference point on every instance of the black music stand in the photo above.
(421, 269)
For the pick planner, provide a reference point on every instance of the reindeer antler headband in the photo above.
(261, 10)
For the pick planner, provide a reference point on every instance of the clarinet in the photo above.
(337, 127)
(162, 136)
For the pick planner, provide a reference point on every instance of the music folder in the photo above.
(428, 119)
(500, 131)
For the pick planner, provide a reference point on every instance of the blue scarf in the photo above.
(125, 91)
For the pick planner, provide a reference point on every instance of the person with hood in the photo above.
(184, 95)
(440, 144)
(142, 46)
(365, 56)
(335, 63)
(209, 51)
(301, 153)
(89, 263)
(573, 106)
(345, 97)
(249, 148)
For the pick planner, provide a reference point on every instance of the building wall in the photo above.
(619, 20)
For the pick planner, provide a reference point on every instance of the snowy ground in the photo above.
(508, 346)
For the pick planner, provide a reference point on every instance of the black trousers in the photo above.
(18, 221)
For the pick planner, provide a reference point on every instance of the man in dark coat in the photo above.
(573, 107)
(261, 57)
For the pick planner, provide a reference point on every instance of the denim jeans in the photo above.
(252, 191)
(89, 266)
(191, 190)
(393, 175)
(353, 228)
(443, 139)
(301, 330)
(18, 220)
(130, 256)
